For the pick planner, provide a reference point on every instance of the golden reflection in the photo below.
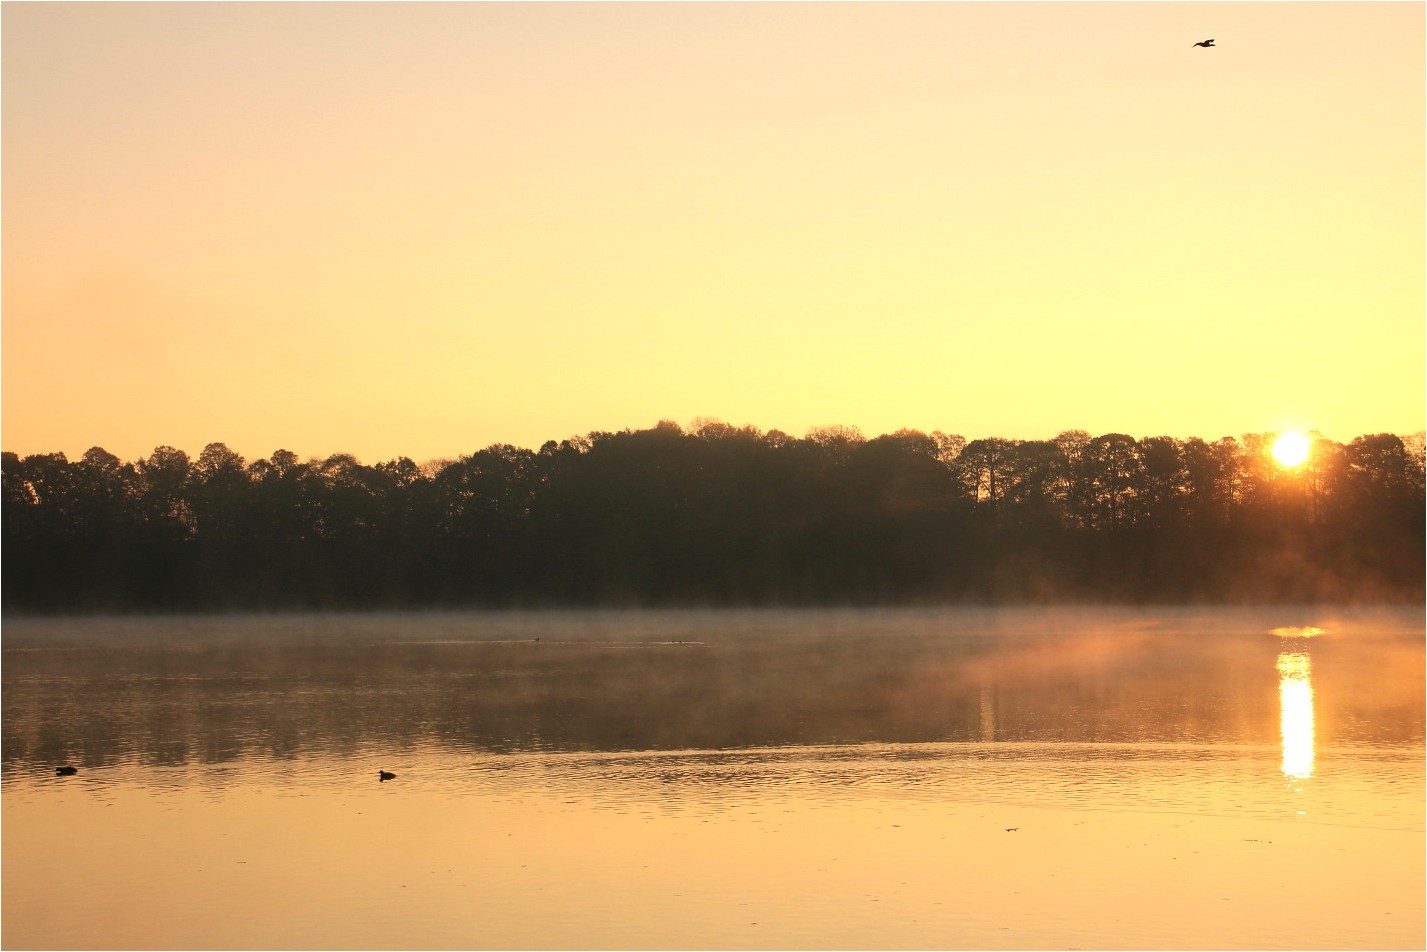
(1308, 632)
(988, 711)
(1295, 700)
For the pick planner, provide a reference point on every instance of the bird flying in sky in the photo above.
(1205, 43)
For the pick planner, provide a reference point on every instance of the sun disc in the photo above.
(1290, 448)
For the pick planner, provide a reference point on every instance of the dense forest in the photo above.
(721, 515)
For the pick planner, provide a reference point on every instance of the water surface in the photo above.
(872, 779)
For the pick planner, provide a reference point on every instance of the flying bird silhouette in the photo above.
(1205, 43)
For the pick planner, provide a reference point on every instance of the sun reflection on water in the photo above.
(1293, 631)
(1295, 699)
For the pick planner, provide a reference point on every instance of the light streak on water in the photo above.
(1295, 699)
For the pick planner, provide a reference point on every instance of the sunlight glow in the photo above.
(1295, 699)
(1291, 448)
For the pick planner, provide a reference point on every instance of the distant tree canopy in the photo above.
(721, 515)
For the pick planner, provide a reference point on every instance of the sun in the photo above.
(1290, 448)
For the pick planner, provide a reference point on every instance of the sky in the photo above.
(404, 229)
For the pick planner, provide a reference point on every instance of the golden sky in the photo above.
(419, 229)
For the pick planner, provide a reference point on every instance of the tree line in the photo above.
(714, 514)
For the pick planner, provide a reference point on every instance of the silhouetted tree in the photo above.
(720, 514)
(1079, 494)
(1115, 471)
(985, 467)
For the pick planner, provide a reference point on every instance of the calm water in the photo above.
(879, 779)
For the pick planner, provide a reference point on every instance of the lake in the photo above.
(967, 778)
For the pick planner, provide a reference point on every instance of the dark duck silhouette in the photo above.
(1205, 43)
(385, 775)
(66, 771)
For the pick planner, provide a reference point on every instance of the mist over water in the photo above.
(693, 779)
